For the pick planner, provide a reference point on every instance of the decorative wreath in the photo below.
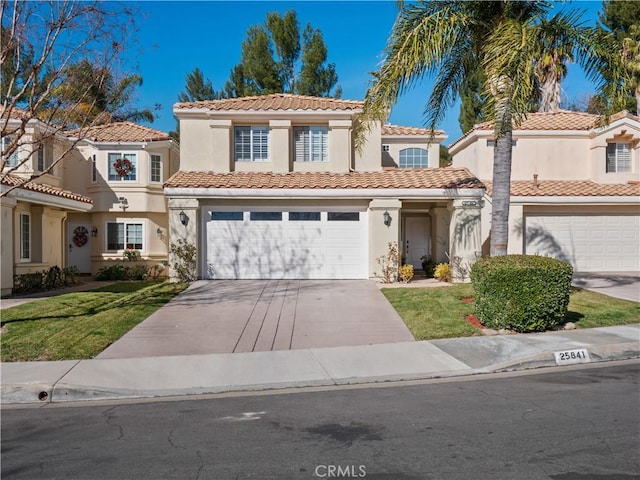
(80, 236)
(123, 167)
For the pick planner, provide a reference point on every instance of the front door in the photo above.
(79, 247)
(417, 242)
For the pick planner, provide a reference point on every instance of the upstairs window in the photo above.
(156, 168)
(12, 160)
(44, 157)
(618, 157)
(310, 144)
(414, 158)
(251, 144)
(123, 167)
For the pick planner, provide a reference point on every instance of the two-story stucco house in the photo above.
(82, 213)
(575, 191)
(273, 187)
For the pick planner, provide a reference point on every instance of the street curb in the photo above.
(61, 392)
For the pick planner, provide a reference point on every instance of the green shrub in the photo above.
(428, 266)
(113, 272)
(521, 292)
(184, 266)
(27, 282)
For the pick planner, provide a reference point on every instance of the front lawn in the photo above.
(432, 313)
(79, 325)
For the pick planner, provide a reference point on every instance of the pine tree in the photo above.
(276, 59)
(197, 88)
(471, 101)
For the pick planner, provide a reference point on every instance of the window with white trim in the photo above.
(310, 144)
(44, 157)
(12, 160)
(121, 235)
(121, 159)
(618, 157)
(414, 158)
(251, 144)
(156, 168)
(25, 236)
(94, 169)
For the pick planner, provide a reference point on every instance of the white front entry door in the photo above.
(79, 246)
(417, 242)
(259, 244)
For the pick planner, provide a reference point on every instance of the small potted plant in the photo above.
(428, 266)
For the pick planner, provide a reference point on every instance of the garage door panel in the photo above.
(285, 248)
(589, 242)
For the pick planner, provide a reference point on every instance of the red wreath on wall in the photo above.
(80, 236)
(123, 167)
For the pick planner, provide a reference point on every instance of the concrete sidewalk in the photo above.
(104, 379)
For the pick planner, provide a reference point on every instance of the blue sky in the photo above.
(176, 37)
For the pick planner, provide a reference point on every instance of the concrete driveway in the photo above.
(625, 285)
(225, 316)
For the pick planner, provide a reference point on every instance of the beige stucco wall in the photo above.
(380, 235)
(6, 245)
(369, 157)
(554, 155)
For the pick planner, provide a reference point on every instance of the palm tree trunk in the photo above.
(500, 197)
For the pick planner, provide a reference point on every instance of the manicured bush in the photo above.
(116, 271)
(405, 272)
(428, 266)
(442, 272)
(523, 293)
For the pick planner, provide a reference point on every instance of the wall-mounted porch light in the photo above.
(94, 232)
(184, 219)
(124, 203)
(387, 218)
(159, 232)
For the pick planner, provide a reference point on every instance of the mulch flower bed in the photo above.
(471, 319)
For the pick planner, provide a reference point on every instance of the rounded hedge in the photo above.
(523, 293)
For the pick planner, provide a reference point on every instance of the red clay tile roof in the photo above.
(13, 180)
(399, 178)
(276, 101)
(559, 120)
(399, 130)
(120, 132)
(569, 188)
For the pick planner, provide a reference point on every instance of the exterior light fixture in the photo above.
(159, 232)
(184, 219)
(124, 203)
(387, 218)
(94, 232)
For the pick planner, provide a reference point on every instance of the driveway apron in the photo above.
(226, 316)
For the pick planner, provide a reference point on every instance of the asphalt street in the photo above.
(564, 423)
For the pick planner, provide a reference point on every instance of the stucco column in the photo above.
(222, 146)
(280, 145)
(440, 234)
(6, 245)
(380, 234)
(464, 238)
(340, 145)
(189, 231)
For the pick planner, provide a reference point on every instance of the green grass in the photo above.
(79, 325)
(432, 313)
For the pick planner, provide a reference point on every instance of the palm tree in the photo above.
(631, 61)
(448, 39)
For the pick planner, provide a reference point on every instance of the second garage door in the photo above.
(266, 244)
(591, 243)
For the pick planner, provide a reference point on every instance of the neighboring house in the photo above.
(129, 211)
(575, 193)
(273, 187)
(82, 213)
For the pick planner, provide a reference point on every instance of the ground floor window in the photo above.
(25, 237)
(124, 235)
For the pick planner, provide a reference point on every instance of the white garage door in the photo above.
(591, 243)
(259, 244)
